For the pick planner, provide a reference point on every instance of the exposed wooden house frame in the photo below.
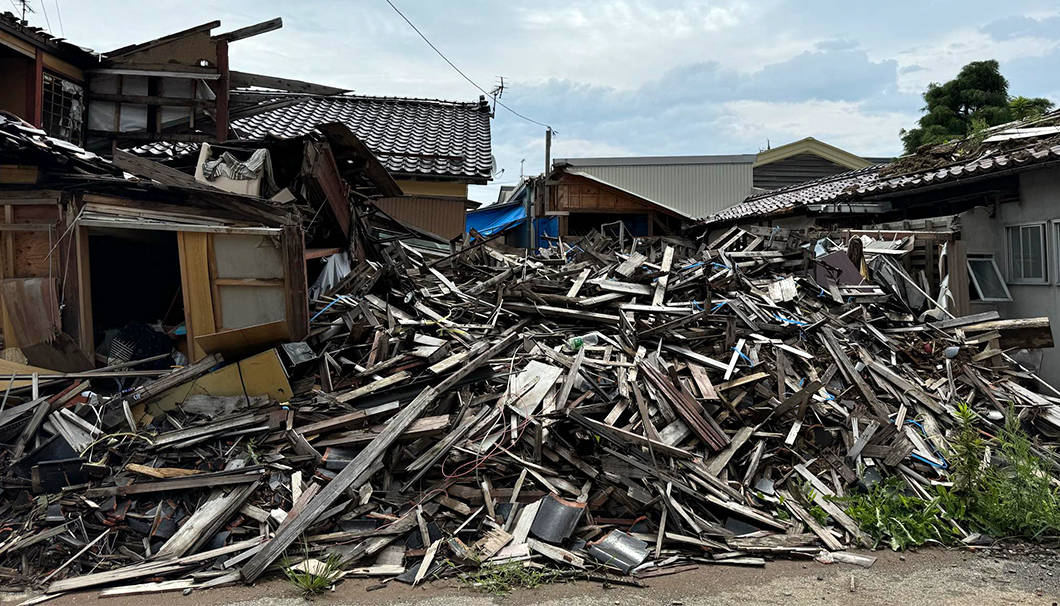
(575, 197)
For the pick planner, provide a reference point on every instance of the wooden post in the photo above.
(35, 91)
(222, 91)
(295, 288)
(86, 328)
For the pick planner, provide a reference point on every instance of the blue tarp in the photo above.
(488, 221)
(546, 226)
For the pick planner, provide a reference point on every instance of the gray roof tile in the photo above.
(868, 182)
(418, 137)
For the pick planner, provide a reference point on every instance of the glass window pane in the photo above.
(1033, 266)
(987, 278)
(1015, 254)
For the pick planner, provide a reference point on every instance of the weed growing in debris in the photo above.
(313, 577)
(503, 578)
(252, 451)
(891, 516)
(1010, 497)
(1007, 495)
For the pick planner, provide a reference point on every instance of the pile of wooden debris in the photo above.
(616, 410)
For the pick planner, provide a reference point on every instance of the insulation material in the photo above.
(101, 114)
(176, 87)
(336, 268)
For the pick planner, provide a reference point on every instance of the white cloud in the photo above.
(843, 124)
(943, 58)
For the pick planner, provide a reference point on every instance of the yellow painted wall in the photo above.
(433, 188)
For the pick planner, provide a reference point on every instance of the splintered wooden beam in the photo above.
(365, 459)
(374, 386)
(624, 438)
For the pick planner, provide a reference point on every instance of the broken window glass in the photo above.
(63, 108)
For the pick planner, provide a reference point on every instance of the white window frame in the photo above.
(1054, 247)
(1045, 248)
(986, 256)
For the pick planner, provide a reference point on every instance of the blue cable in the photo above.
(339, 298)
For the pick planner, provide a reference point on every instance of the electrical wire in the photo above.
(451, 64)
(46, 19)
(62, 31)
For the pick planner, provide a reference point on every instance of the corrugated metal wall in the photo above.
(695, 189)
(440, 216)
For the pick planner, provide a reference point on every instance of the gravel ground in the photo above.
(930, 577)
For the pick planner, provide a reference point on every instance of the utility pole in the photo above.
(533, 199)
(548, 150)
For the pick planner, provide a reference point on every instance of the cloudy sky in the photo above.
(617, 77)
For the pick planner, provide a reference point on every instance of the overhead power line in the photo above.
(46, 19)
(62, 30)
(451, 64)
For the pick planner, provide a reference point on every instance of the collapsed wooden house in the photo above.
(90, 245)
(976, 218)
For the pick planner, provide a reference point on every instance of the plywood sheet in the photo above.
(8, 368)
(32, 308)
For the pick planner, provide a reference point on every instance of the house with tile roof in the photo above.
(994, 198)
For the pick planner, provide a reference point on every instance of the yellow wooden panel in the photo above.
(195, 283)
(262, 374)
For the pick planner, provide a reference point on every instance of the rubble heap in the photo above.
(615, 409)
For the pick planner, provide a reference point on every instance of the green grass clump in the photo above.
(315, 582)
(501, 579)
(890, 516)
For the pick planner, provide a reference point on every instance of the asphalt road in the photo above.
(930, 577)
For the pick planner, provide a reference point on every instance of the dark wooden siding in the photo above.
(796, 169)
(440, 216)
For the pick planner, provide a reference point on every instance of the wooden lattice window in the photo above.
(63, 108)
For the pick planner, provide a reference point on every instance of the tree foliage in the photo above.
(977, 97)
(1024, 108)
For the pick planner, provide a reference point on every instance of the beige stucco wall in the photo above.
(983, 229)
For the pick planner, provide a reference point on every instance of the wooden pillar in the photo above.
(86, 329)
(295, 287)
(222, 91)
(957, 260)
(35, 91)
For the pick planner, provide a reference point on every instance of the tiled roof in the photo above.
(786, 199)
(39, 37)
(867, 182)
(419, 137)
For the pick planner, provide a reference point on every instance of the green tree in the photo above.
(978, 96)
(1024, 108)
